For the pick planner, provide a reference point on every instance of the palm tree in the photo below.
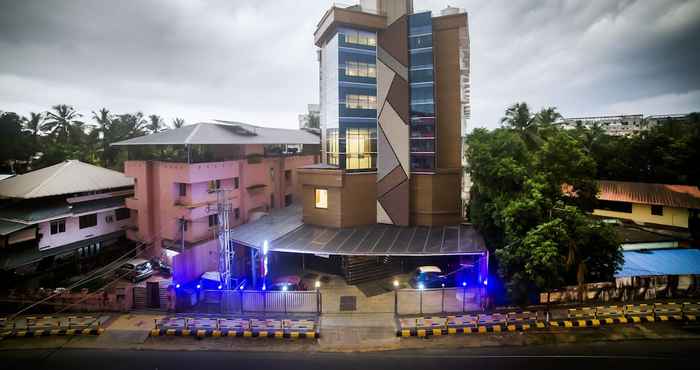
(34, 123)
(518, 117)
(61, 120)
(155, 123)
(547, 116)
(178, 122)
(103, 118)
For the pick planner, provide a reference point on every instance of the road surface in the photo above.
(637, 355)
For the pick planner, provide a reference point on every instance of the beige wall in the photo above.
(642, 213)
(351, 198)
(435, 199)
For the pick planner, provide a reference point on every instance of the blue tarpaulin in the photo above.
(660, 262)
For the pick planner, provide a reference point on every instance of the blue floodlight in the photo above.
(421, 286)
(266, 247)
(443, 285)
(284, 288)
(177, 286)
(242, 286)
(220, 286)
(199, 286)
(486, 281)
(263, 287)
(464, 283)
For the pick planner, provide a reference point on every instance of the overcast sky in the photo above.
(254, 61)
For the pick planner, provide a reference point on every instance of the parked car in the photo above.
(430, 277)
(136, 270)
(161, 266)
(288, 282)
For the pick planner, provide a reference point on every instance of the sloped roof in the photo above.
(675, 261)
(681, 196)
(285, 231)
(68, 177)
(223, 133)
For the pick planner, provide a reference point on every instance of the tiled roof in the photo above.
(224, 133)
(67, 177)
(681, 196)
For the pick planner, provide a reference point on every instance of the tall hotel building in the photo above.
(394, 93)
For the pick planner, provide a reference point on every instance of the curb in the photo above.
(468, 330)
(48, 332)
(203, 333)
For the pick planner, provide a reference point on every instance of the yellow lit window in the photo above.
(360, 102)
(321, 198)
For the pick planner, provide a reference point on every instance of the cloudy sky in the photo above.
(254, 61)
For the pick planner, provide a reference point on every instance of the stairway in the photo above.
(360, 269)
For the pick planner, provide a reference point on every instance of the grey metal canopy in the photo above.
(223, 133)
(285, 232)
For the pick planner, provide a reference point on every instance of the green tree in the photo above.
(547, 116)
(155, 123)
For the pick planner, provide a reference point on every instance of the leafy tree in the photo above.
(547, 116)
(15, 144)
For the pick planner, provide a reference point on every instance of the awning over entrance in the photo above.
(286, 233)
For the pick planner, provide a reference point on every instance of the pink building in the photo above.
(177, 172)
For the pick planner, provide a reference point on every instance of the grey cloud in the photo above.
(255, 60)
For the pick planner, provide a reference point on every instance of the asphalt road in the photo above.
(636, 355)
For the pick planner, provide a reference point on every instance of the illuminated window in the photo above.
(322, 198)
(360, 147)
(360, 69)
(355, 37)
(360, 101)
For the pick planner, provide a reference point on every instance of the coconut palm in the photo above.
(60, 121)
(178, 122)
(155, 123)
(547, 116)
(519, 118)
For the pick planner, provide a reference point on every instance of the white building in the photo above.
(68, 211)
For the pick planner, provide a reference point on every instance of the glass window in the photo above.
(182, 189)
(657, 210)
(423, 109)
(360, 148)
(213, 185)
(422, 162)
(421, 75)
(58, 227)
(422, 94)
(417, 42)
(360, 38)
(608, 205)
(235, 183)
(213, 220)
(237, 213)
(322, 198)
(122, 214)
(353, 101)
(422, 146)
(87, 221)
(422, 58)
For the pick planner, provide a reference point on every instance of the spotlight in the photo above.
(284, 288)
(317, 284)
(464, 283)
(177, 286)
(219, 286)
(199, 286)
(486, 281)
(396, 283)
(421, 286)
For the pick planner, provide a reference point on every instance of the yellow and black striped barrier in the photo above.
(204, 333)
(48, 332)
(434, 332)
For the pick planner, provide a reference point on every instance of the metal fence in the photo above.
(242, 301)
(421, 301)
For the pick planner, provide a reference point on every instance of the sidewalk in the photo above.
(340, 333)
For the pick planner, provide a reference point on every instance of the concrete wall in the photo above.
(74, 233)
(642, 213)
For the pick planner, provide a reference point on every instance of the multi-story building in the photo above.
(394, 103)
(311, 119)
(623, 125)
(65, 214)
(394, 94)
(178, 173)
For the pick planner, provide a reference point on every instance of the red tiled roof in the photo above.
(681, 196)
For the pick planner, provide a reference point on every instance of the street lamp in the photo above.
(464, 294)
(396, 296)
(317, 284)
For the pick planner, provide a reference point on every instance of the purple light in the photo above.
(263, 288)
(242, 286)
(464, 283)
(486, 281)
(219, 286)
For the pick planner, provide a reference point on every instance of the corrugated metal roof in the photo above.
(660, 262)
(33, 211)
(286, 232)
(68, 177)
(681, 196)
(224, 133)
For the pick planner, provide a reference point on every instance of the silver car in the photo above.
(136, 270)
